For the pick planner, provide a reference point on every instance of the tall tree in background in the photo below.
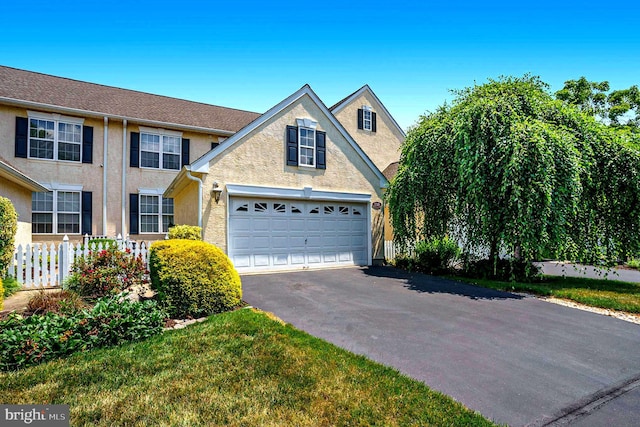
(508, 169)
(619, 108)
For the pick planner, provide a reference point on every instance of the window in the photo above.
(366, 119)
(306, 146)
(307, 140)
(54, 137)
(56, 210)
(156, 213)
(160, 151)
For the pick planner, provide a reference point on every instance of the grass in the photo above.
(611, 294)
(238, 368)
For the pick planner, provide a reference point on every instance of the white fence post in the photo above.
(63, 260)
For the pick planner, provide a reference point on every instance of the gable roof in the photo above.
(201, 165)
(12, 174)
(33, 90)
(338, 106)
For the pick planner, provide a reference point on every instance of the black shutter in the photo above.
(87, 211)
(133, 213)
(360, 118)
(321, 150)
(135, 150)
(292, 146)
(87, 144)
(185, 151)
(22, 136)
(373, 122)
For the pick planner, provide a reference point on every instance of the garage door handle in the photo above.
(305, 241)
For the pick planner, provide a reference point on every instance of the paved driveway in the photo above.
(516, 360)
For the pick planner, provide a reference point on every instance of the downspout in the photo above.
(199, 181)
(124, 179)
(104, 176)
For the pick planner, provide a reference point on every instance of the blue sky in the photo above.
(250, 55)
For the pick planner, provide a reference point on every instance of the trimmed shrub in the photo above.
(437, 256)
(106, 272)
(193, 278)
(27, 341)
(187, 232)
(1, 295)
(8, 230)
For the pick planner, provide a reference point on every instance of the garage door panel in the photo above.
(329, 257)
(279, 224)
(280, 259)
(241, 261)
(344, 256)
(315, 257)
(259, 224)
(313, 225)
(280, 243)
(261, 260)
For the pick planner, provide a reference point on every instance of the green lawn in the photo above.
(237, 368)
(611, 294)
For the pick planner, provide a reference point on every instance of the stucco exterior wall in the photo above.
(21, 199)
(91, 176)
(382, 146)
(259, 159)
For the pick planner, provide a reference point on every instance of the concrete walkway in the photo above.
(557, 268)
(515, 359)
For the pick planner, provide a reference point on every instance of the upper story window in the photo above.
(307, 150)
(305, 145)
(160, 151)
(55, 137)
(366, 118)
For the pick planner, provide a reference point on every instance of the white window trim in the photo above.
(160, 133)
(158, 192)
(66, 188)
(56, 119)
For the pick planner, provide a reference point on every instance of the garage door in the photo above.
(266, 234)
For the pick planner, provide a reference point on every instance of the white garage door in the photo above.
(267, 234)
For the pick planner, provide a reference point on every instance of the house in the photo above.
(298, 186)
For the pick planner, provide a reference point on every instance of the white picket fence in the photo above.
(38, 265)
(391, 250)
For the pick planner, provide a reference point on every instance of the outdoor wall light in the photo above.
(216, 192)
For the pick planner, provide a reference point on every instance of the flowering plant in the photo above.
(105, 272)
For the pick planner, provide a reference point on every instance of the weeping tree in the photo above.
(507, 169)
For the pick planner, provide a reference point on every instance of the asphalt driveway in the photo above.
(516, 360)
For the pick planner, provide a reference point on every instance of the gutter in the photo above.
(124, 178)
(105, 158)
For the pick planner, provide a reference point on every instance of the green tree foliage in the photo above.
(508, 169)
(8, 230)
(616, 108)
